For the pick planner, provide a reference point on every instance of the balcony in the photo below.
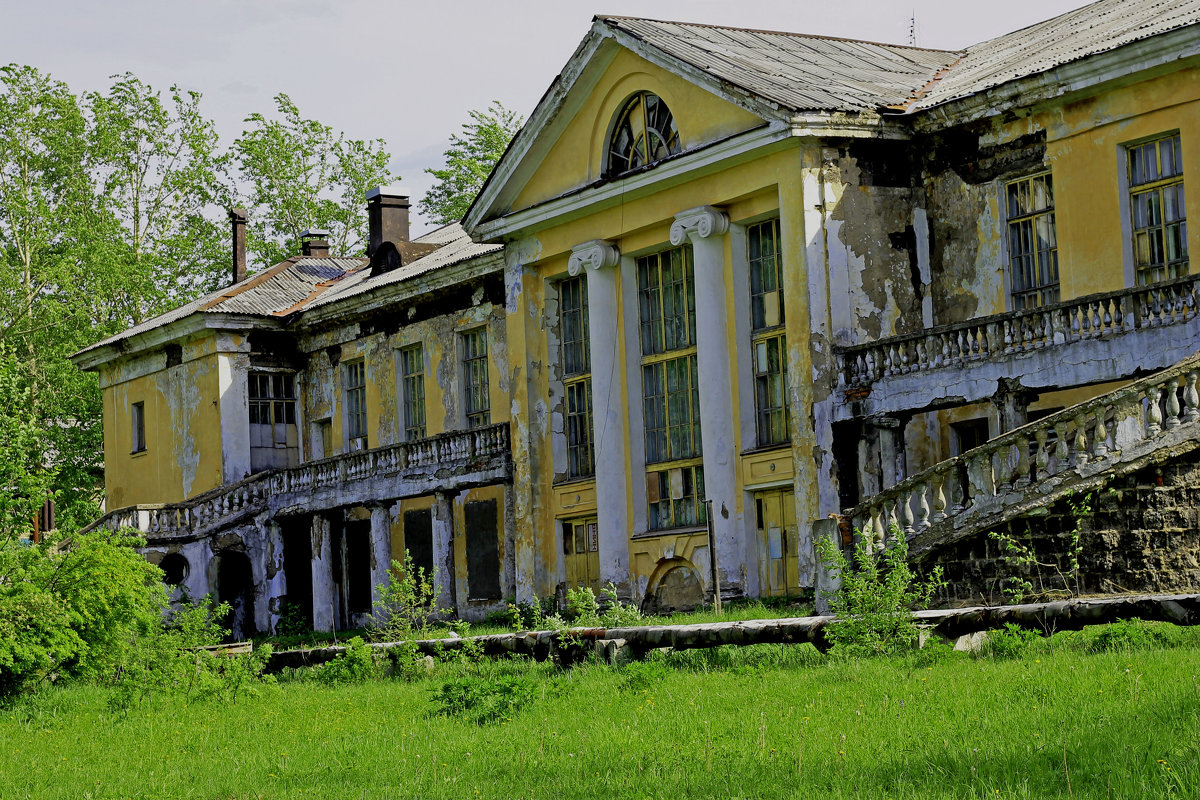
(1030, 467)
(1088, 340)
(446, 462)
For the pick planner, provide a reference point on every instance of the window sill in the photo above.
(687, 530)
(139, 453)
(572, 481)
(766, 448)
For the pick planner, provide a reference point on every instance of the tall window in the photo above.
(645, 132)
(273, 438)
(475, 378)
(356, 405)
(767, 337)
(577, 379)
(1032, 242)
(670, 389)
(1157, 204)
(412, 376)
(137, 425)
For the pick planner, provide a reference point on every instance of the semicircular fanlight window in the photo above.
(645, 133)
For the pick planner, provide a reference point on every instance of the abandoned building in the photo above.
(755, 276)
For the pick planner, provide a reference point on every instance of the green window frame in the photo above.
(412, 378)
(767, 341)
(1157, 208)
(1032, 241)
(355, 373)
(577, 380)
(475, 378)
(670, 389)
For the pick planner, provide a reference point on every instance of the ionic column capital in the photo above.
(596, 254)
(702, 222)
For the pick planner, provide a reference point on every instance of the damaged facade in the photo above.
(784, 274)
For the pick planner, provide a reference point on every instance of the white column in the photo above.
(322, 575)
(443, 548)
(598, 260)
(381, 549)
(705, 228)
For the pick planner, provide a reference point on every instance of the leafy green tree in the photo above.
(300, 174)
(469, 160)
(155, 165)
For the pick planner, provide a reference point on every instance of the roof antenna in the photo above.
(912, 29)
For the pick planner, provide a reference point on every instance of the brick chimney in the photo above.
(314, 243)
(237, 218)
(387, 216)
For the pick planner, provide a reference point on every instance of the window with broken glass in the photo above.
(767, 338)
(670, 389)
(1032, 241)
(356, 404)
(274, 441)
(1160, 242)
(644, 133)
(577, 378)
(412, 377)
(475, 378)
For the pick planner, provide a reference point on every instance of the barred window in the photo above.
(272, 398)
(475, 378)
(577, 379)
(670, 389)
(1157, 204)
(412, 376)
(1032, 241)
(356, 404)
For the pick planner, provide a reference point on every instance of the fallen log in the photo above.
(570, 645)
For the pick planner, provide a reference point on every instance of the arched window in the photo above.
(645, 132)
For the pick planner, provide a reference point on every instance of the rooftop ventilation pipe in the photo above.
(237, 219)
(314, 243)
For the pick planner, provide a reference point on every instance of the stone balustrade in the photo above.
(350, 476)
(1035, 463)
(1002, 335)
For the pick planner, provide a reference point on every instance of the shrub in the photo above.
(407, 603)
(73, 607)
(355, 665)
(876, 594)
(1133, 634)
(1011, 641)
(484, 699)
(170, 658)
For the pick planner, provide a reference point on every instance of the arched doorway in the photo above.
(234, 584)
(675, 586)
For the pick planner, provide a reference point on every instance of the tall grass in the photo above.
(766, 721)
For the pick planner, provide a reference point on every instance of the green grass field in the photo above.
(767, 721)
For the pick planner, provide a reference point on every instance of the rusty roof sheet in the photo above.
(454, 247)
(795, 71)
(1095, 28)
(276, 291)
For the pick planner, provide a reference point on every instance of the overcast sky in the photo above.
(408, 71)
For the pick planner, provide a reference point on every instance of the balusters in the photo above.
(1191, 397)
(1021, 479)
(1080, 449)
(1100, 437)
(877, 526)
(1061, 454)
(923, 505)
(904, 505)
(1042, 459)
(1172, 415)
(1153, 412)
(939, 494)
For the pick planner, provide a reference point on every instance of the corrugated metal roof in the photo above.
(303, 282)
(795, 71)
(455, 247)
(275, 291)
(1096, 28)
(814, 73)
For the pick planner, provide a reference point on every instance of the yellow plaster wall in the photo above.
(181, 420)
(577, 157)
